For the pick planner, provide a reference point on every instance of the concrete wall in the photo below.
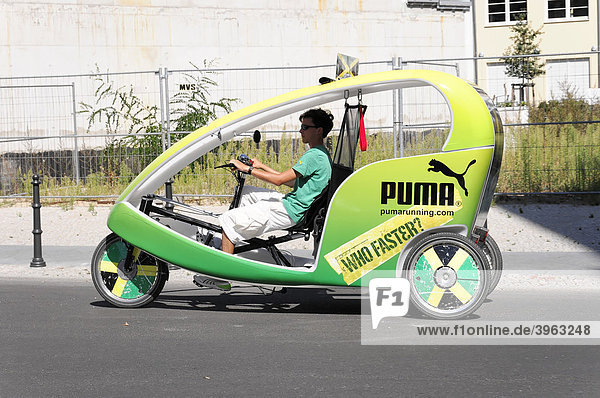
(72, 36)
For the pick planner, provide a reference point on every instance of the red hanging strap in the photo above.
(362, 134)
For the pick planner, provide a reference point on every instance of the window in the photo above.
(567, 9)
(499, 85)
(507, 10)
(567, 76)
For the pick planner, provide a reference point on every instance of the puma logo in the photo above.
(437, 167)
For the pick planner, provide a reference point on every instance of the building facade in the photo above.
(568, 26)
(71, 36)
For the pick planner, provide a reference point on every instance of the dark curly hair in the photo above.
(321, 118)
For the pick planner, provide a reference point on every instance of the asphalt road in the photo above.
(79, 256)
(61, 339)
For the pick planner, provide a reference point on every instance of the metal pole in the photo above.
(75, 146)
(167, 110)
(162, 107)
(395, 111)
(598, 37)
(169, 189)
(167, 129)
(475, 50)
(399, 123)
(37, 260)
(169, 193)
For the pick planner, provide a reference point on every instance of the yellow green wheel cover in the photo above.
(446, 276)
(129, 285)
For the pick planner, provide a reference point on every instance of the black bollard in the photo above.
(37, 260)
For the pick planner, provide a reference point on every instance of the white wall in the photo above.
(71, 36)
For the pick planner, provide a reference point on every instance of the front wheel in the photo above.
(125, 275)
(448, 275)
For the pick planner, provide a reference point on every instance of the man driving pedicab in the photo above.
(263, 210)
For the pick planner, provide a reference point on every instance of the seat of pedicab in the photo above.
(315, 214)
(311, 222)
(307, 222)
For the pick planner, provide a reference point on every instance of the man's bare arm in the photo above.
(287, 177)
(260, 165)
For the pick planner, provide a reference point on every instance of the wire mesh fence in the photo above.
(90, 135)
(551, 122)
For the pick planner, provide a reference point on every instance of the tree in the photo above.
(524, 42)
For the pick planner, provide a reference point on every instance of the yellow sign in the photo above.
(368, 251)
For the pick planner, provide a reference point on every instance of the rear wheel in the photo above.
(448, 275)
(125, 275)
(492, 252)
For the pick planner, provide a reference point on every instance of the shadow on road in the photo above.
(251, 299)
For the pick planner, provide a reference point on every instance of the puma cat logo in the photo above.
(437, 167)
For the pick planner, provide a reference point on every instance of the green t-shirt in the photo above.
(314, 168)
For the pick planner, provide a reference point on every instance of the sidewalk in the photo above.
(522, 270)
(67, 263)
(546, 238)
(80, 257)
(515, 227)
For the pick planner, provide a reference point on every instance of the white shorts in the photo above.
(260, 211)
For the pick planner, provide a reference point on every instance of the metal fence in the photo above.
(89, 135)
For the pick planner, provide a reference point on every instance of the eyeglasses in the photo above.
(304, 127)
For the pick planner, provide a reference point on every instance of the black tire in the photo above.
(448, 275)
(492, 252)
(122, 287)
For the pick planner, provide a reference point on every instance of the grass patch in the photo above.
(553, 158)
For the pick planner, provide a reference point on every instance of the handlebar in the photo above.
(225, 165)
(240, 178)
(245, 159)
(242, 158)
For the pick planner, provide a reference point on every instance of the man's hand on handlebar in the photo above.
(258, 164)
(239, 166)
(242, 163)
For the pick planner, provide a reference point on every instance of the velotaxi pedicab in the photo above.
(423, 217)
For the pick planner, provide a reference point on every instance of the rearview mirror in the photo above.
(256, 136)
